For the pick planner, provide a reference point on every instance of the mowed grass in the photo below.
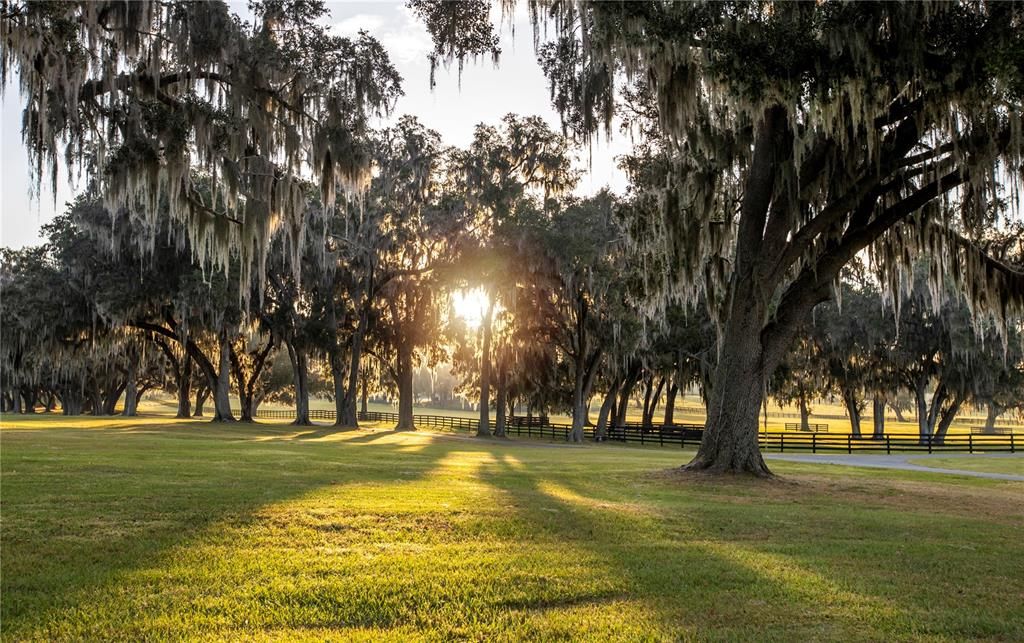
(987, 464)
(149, 529)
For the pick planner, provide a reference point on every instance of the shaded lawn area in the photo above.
(987, 464)
(150, 529)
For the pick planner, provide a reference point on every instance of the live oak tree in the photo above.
(415, 239)
(799, 135)
(145, 96)
(579, 242)
(501, 171)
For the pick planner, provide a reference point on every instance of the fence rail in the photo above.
(684, 435)
(811, 427)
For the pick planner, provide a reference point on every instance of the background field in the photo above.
(148, 528)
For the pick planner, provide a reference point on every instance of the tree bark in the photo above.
(96, 398)
(993, 411)
(405, 390)
(754, 342)
(72, 400)
(607, 407)
(670, 403)
(924, 421)
(349, 418)
(853, 410)
(878, 416)
(730, 435)
(805, 413)
(622, 406)
(131, 392)
(185, 387)
(300, 373)
(483, 428)
(946, 418)
(652, 404)
(201, 396)
(222, 386)
(338, 378)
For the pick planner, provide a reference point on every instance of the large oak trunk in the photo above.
(730, 435)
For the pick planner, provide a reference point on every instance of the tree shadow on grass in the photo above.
(81, 511)
(691, 577)
(164, 536)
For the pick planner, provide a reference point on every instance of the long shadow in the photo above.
(658, 557)
(81, 509)
(790, 549)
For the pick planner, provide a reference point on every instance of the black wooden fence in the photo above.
(684, 435)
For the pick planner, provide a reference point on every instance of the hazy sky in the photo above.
(486, 94)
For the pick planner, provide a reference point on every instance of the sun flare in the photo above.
(470, 306)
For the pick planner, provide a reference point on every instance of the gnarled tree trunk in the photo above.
(730, 435)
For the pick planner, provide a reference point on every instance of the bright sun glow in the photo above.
(470, 306)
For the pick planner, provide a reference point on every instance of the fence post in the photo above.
(661, 436)
(970, 443)
(782, 443)
(814, 443)
(641, 435)
(888, 449)
(929, 443)
(849, 444)
(1011, 442)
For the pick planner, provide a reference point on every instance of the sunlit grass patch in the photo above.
(273, 532)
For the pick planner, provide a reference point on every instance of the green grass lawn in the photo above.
(1013, 466)
(147, 529)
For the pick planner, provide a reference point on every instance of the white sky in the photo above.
(487, 93)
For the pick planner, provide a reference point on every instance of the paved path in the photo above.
(900, 462)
